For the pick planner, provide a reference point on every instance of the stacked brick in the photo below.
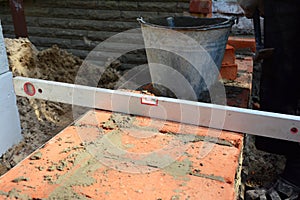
(229, 68)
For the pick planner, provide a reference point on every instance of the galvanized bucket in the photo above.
(185, 49)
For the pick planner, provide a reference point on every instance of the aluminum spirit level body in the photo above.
(274, 125)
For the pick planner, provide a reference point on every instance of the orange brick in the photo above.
(66, 167)
(229, 71)
(229, 55)
(201, 6)
(242, 43)
(239, 90)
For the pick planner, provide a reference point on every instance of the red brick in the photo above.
(229, 71)
(229, 55)
(201, 6)
(229, 68)
(242, 43)
(190, 176)
(242, 85)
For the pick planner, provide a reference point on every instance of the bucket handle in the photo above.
(232, 20)
(141, 20)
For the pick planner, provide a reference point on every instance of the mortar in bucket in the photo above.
(185, 53)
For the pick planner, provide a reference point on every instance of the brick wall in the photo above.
(79, 25)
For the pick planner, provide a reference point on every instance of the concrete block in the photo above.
(157, 6)
(127, 5)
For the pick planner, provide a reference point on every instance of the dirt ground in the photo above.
(260, 168)
(41, 120)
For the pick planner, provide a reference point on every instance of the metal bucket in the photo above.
(185, 53)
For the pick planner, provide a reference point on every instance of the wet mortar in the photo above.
(82, 176)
